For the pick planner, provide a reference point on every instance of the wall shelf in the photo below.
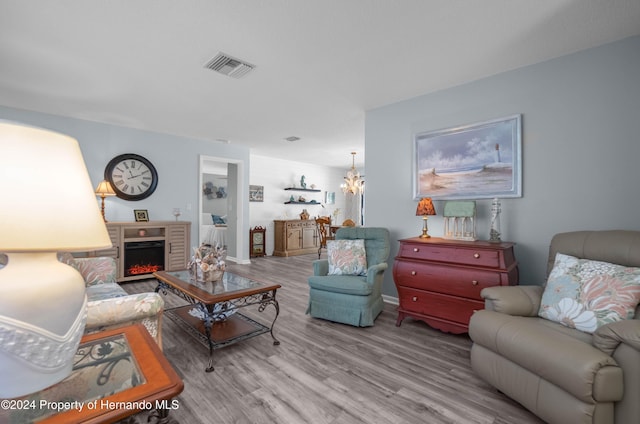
(292, 201)
(315, 190)
(301, 203)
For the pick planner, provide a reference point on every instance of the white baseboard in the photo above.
(238, 261)
(390, 299)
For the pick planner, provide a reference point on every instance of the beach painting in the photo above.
(474, 161)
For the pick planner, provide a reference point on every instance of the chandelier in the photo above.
(353, 182)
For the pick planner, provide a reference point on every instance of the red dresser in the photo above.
(439, 281)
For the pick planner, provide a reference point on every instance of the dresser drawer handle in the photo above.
(474, 282)
(415, 249)
(476, 255)
(414, 273)
(414, 298)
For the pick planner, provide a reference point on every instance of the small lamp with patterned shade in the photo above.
(425, 208)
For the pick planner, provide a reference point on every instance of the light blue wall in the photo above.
(581, 148)
(175, 158)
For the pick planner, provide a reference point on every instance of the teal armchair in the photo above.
(351, 299)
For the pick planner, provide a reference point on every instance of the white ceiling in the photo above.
(320, 63)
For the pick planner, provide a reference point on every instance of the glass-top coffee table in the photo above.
(213, 309)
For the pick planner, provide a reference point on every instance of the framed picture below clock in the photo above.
(133, 177)
(257, 242)
(141, 215)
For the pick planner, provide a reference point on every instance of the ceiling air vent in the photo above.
(228, 65)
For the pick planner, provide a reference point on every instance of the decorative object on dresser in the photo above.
(163, 245)
(295, 237)
(49, 205)
(439, 281)
(257, 236)
(103, 190)
(460, 220)
(494, 233)
(424, 209)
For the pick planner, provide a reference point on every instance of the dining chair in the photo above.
(323, 224)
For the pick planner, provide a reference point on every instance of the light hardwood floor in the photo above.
(324, 372)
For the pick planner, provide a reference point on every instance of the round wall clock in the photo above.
(132, 176)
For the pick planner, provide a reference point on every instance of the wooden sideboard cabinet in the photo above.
(128, 239)
(295, 237)
(439, 281)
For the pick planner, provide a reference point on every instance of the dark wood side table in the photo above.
(439, 281)
(117, 373)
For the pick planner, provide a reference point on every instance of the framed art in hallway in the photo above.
(475, 161)
(256, 193)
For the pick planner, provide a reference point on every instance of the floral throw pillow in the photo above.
(585, 294)
(347, 257)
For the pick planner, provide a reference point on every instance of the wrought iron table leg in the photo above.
(208, 325)
(161, 416)
(276, 342)
(273, 301)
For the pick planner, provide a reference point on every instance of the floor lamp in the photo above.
(49, 206)
(103, 190)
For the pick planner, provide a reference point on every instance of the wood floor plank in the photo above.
(329, 373)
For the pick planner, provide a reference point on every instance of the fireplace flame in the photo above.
(143, 269)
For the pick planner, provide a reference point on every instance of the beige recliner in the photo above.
(560, 374)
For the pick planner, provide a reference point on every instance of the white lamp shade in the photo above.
(48, 200)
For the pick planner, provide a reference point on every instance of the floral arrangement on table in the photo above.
(207, 263)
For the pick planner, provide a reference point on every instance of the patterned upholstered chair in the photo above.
(351, 299)
(108, 304)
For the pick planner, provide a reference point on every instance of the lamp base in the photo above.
(104, 218)
(424, 228)
(43, 310)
